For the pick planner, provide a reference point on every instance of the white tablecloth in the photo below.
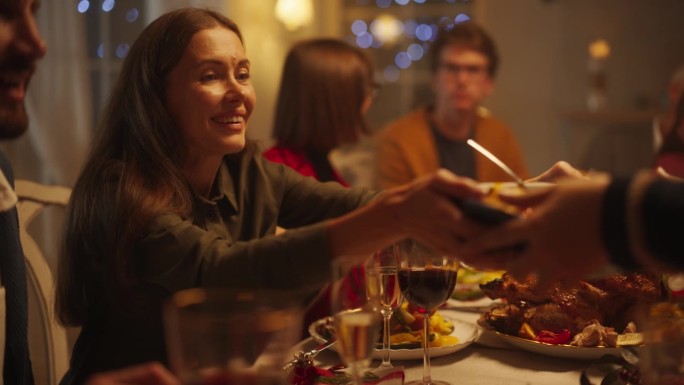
(478, 364)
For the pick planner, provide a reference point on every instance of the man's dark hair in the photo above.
(467, 35)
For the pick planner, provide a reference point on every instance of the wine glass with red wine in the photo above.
(426, 279)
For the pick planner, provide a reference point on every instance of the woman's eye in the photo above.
(243, 76)
(208, 77)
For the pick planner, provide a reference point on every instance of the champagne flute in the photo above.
(382, 286)
(356, 319)
(426, 278)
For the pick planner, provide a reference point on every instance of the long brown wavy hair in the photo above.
(324, 84)
(132, 174)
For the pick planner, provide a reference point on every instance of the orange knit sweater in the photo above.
(406, 150)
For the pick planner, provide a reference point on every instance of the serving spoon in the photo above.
(497, 162)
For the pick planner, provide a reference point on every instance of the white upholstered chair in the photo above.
(47, 339)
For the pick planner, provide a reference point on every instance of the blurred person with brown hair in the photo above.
(464, 61)
(325, 91)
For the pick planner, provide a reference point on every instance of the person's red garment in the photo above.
(320, 308)
(672, 163)
(298, 161)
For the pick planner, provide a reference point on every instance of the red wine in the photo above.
(427, 287)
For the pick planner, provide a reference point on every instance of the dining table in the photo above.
(486, 361)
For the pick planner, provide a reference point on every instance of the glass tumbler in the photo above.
(221, 336)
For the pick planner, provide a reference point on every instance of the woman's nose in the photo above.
(235, 92)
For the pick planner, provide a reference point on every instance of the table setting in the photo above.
(490, 359)
(220, 337)
(480, 354)
(419, 317)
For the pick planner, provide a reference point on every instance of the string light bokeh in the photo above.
(396, 33)
(398, 42)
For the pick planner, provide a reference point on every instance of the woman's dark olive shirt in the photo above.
(229, 242)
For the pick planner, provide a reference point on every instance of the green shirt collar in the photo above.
(226, 189)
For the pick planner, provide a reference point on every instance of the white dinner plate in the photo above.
(562, 351)
(478, 305)
(466, 333)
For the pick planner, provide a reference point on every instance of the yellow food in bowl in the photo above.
(416, 338)
(467, 275)
(407, 330)
(494, 190)
(492, 199)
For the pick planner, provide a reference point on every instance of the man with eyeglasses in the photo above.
(464, 61)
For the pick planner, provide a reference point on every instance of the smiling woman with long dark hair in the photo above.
(174, 196)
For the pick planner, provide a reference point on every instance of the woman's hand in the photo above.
(561, 235)
(424, 210)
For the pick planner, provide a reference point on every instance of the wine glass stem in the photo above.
(356, 376)
(386, 340)
(426, 349)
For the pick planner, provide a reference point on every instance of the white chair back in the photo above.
(47, 339)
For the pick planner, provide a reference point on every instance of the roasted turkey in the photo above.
(611, 301)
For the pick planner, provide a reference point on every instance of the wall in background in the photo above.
(544, 73)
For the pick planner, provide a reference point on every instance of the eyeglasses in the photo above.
(470, 71)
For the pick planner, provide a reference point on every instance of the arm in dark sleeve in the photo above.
(661, 213)
(614, 226)
(177, 253)
(662, 216)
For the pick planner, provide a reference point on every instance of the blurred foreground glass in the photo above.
(662, 356)
(222, 337)
(356, 318)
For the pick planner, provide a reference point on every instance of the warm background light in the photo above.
(599, 49)
(294, 14)
(386, 28)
